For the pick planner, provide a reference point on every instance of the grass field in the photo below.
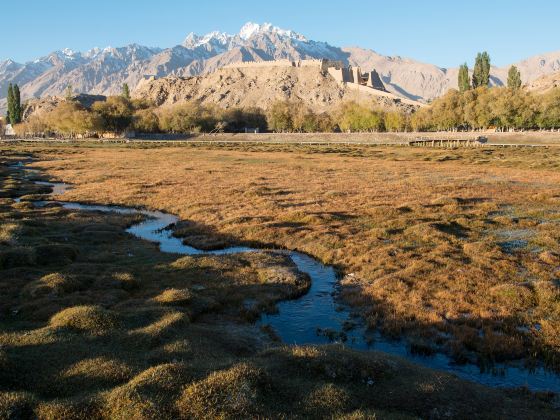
(456, 249)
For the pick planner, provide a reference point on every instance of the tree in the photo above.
(481, 72)
(353, 117)
(514, 78)
(125, 91)
(116, 112)
(11, 110)
(70, 118)
(279, 117)
(146, 121)
(16, 119)
(464, 79)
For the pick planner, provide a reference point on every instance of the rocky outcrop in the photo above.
(545, 83)
(47, 104)
(261, 87)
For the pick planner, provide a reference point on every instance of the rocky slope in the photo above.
(103, 71)
(261, 86)
(545, 83)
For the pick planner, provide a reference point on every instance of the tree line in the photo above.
(500, 108)
(121, 113)
(474, 106)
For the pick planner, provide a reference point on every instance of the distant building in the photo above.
(9, 131)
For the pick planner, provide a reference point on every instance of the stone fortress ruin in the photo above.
(349, 76)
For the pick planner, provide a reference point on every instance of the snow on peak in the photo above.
(94, 52)
(251, 28)
(68, 52)
(193, 40)
(247, 31)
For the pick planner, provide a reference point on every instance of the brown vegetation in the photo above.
(108, 327)
(424, 231)
(499, 108)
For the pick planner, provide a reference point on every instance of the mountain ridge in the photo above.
(103, 71)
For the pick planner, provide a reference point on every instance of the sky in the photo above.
(445, 33)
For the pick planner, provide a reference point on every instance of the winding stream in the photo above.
(301, 320)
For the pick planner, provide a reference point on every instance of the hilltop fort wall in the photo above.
(336, 69)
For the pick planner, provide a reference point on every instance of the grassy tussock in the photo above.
(102, 370)
(150, 394)
(174, 297)
(235, 392)
(8, 233)
(56, 283)
(91, 319)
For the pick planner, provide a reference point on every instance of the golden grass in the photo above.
(174, 297)
(96, 324)
(92, 319)
(421, 229)
(228, 393)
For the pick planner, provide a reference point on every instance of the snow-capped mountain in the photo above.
(103, 71)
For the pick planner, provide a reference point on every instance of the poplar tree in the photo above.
(481, 72)
(125, 91)
(514, 78)
(17, 105)
(464, 80)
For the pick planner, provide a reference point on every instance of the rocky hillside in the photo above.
(261, 86)
(48, 103)
(103, 71)
(545, 83)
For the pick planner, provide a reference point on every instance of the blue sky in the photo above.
(445, 33)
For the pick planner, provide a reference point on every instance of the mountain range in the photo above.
(103, 71)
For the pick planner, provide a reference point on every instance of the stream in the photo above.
(306, 320)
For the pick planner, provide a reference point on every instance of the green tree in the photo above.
(481, 72)
(464, 79)
(18, 111)
(10, 113)
(125, 91)
(514, 78)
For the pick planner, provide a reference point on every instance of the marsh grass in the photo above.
(97, 324)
